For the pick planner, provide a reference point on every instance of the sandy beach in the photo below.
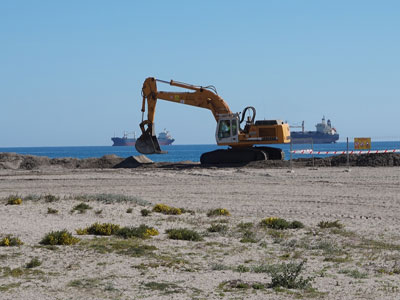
(360, 260)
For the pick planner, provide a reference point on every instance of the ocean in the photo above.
(176, 152)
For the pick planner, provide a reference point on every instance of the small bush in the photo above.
(167, 210)
(145, 212)
(35, 262)
(187, 211)
(296, 225)
(98, 211)
(142, 232)
(51, 198)
(245, 226)
(242, 269)
(81, 208)
(249, 237)
(183, 234)
(217, 228)
(14, 200)
(59, 238)
(129, 210)
(99, 229)
(280, 224)
(287, 276)
(10, 241)
(52, 210)
(218, 212)
(330, 224)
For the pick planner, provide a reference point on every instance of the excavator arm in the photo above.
(204, 97)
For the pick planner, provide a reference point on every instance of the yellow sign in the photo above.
(362, 143)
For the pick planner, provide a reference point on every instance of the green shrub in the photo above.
(98, 211)
(142, 232)
(280, 224)
(296, 225)
(129, 210)
(59, 238)
(249, 237)
(217, 228)
(51, 198)
(218, 212)
(52, 210)
(183, 234)
(245, 226)
(81, 208)
(35, 262)
(187, 211)
(167, 210)
(10, 241)
(14, 200)
(145, 212)
(330, 224)
(288, 276)
(99, 229)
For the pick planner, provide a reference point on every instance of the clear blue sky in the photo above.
(71, 71)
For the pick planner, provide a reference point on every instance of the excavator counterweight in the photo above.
(229, 132)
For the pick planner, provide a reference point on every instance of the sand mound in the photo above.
(133, 162)
(16, 161)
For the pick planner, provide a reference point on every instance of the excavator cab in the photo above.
(227, 129)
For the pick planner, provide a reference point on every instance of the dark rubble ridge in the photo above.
(14, 161)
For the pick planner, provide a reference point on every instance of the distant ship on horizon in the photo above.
(164, 138)
(325, 134)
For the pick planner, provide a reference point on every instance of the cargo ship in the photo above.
(164, 138)
(325, 134)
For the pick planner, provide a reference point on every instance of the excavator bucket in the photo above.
(148, 144)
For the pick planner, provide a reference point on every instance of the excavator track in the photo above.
(241, 155)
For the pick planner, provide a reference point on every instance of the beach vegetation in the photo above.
(81, 208)
(99, 229)
(287, 275)
(167, 210)
(183, 234)
(14, 200)
(35, 262)
(243, 226)
(10, 241)
(129, 210)
(6, 287)
(218, 227)
(145, 212)
(280, 223)
(62, 237)
(52, 211)
(143, 231)
(330, 224)
(249, 237)
(218, 212)
(165, 287)
(51, 198)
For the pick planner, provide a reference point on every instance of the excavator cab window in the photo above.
(224, 130)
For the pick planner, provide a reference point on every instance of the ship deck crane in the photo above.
(229, 132)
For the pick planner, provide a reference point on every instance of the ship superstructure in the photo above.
(324, 134)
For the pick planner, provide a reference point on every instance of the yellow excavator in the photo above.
(232, 129)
